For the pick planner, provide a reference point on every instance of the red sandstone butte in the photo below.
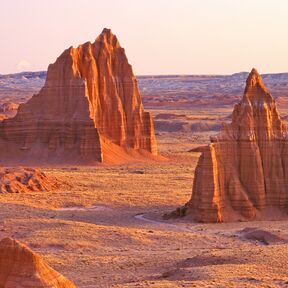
(243, 173)
(88, 110)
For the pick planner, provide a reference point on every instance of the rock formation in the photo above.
(20, 267)
(244, 171)
(8, 110)
(19, 180)
(89, 103)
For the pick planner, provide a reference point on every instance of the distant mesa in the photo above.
(21, 180)
(89, 110)
(243, 173)
(21, 267)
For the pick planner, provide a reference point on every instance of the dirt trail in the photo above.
(79, 208)
(141, 217)
(174, 227)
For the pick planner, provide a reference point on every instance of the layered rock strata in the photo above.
(90, 96)
(21, 180)
(244, 171)
(20, 267)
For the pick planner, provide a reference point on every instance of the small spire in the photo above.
(254, 72)
(254, 79)
(108, 37)
(106, 31)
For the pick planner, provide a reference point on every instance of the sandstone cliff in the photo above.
(90, 97)
(243, 173)
(21, 267)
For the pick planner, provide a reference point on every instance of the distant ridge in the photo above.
(164, 91)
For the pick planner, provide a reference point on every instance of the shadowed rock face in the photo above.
(90, 96)
(21, 267)
(245, 168)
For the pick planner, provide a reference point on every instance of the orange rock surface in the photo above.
(20, 267)
(244, 171)
(19, 180)
(90, 97)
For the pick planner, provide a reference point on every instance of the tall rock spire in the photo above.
(245, 169)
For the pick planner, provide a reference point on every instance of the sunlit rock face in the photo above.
(244, 171)
(21, 267)
(90, 99)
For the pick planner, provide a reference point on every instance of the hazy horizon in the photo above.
(160, 75)
(177, 38)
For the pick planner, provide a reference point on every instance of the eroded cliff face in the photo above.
(90, 96)
(244, 171)
(21, 267)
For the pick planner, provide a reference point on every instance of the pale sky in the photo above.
(159, 36)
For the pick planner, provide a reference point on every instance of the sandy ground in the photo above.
(105, 228)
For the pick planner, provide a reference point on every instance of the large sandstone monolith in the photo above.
(89, 107)
(243, 173)
(20, 267)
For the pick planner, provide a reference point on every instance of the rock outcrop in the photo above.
(21, 180)
(243, 173)
(8, 110)
(90, 99)
(20, 267)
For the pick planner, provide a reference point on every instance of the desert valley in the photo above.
(113, 180)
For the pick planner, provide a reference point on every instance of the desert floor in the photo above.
(104, 228)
